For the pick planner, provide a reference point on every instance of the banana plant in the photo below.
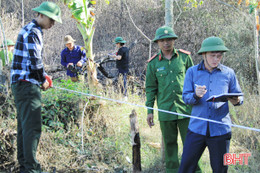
(83, 12)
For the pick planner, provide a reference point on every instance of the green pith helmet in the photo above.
(8, 43)
(212, 44)
(49, 9)
(119, 40)
(164, 32)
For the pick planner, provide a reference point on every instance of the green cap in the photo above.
(49, 9)
(8, 43)
(164, 32)
(212, 44)
(119, 40)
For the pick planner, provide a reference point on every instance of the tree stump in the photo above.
(135, 140)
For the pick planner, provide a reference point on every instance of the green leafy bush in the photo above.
(61, 107)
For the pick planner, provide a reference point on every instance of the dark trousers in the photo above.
(195, 145)
(28, 104)
(170, 133)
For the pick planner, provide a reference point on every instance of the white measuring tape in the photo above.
(161, 110)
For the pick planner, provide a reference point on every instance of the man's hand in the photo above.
(117, 57)
(112, 55)
(69, 64)
(200, 90)
(45, 85)
(150, 120)
(79, 64)
(234, 100)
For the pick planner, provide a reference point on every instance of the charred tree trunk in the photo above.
(135, 139)
(137, 154)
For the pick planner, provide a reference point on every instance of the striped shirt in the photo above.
(27, 61)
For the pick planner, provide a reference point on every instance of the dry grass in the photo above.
(106, 144)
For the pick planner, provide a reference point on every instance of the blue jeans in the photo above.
(195, 145)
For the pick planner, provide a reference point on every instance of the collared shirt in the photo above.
(27, 62)
(164, 82)
(74, 56)
(221, 80)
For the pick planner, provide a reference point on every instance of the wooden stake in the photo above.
(135, 140)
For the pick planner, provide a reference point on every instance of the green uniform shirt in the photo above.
(2, 55)
(164, 82)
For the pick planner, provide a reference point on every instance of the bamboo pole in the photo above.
(5, 45)
(169, 13)
(256, 34)
(22, 13)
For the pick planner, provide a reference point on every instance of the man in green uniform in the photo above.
(164, 81)
(3, 71)
(10, 48)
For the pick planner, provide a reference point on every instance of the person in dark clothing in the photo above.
(122, 63)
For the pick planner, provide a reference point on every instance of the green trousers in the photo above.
(170, 137)
(28, 104)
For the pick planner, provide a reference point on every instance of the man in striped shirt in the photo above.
(27, 79)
